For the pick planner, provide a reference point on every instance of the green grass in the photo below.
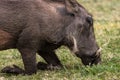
(107, 29)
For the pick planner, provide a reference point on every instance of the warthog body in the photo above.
(42, 26)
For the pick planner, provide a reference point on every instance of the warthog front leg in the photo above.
(51, 58)
(29, 60)
(12, 70)
(27, 43)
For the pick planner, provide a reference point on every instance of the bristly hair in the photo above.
(57, 0)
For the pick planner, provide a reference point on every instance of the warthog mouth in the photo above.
(91, 59)
(97, 58)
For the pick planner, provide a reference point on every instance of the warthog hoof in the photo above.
(12, 70)
(44, 66)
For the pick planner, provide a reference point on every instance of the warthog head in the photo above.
(80, 34)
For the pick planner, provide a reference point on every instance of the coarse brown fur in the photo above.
(42, 26)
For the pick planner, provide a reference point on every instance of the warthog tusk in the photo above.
(98, 52)
(75, 48)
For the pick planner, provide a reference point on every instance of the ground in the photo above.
(106, 15)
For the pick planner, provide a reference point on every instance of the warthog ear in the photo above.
(71, 6)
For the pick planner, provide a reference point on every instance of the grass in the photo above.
(107, 30)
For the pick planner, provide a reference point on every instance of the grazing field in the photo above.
(106, 15)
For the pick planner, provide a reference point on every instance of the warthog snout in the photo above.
(91, 59)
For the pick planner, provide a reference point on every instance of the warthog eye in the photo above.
(89, 20)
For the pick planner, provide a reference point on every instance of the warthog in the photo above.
(42, 26)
